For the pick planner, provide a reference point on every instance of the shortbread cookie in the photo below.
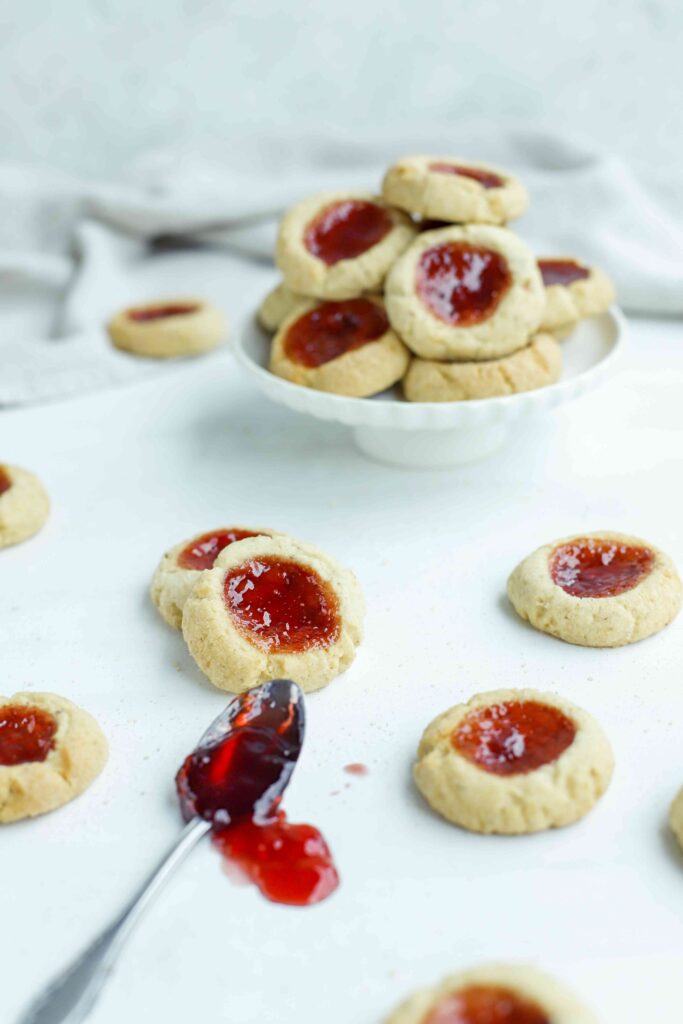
(340, 244)
(182, 565)
(50, 751)
(572, 292)
(451, 189)
(278, 304)
(273, 607)
(513, 761)
(347, 348)
(168, 328)
(600, 589)
(24, 505)
(494, 994)
(536, 365)
(676, 817)
(465, 293)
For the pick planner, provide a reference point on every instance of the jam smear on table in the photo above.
(161, 312)
(202, 552)
(462, 284)
(562, 272)
(282, 605)
(5, 482)
(27, 733)
(346, 229)
(486, 178)
(589, 567)
(356, 768)
(487, 1004)
(332, 329)
(514, 737)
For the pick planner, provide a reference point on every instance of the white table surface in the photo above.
(131, 471)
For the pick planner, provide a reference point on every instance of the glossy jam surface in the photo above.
(26, 734)
(5, 482)
(514, 738)
(203, 551)
(332, 329)
(487, 1004)
(589, 567)
(347, 229)
(486, 178)
(462, 284)
(561, 272)
(161, 312)
(282, 605)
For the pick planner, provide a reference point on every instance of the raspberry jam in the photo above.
(161, 312)
(561, 272)
(282, 605)
(514, 738)
(203, 551)
(599, 568)
(487, 1004)
(332, 329)
(462, 284)
(486, 178)
(5, 482)
(346, 229)
(27, 734)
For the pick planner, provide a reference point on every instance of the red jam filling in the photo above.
(282, 605)
(161, 312)
(486, 178)
(203, 551)
(26, 734)
(599, 568)
(332, 329)
(514, 738)
(487, 1004)
(462, 284)
(5, 482)
(561, 272)
(347, 229)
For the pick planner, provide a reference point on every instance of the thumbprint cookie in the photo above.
(168, 328)
(676, 817)
(278, 304)
(572, 293)
(24, 505)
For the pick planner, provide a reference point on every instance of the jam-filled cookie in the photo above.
(278, 304)
(572, 292)
(601, 589)
(340, 244)
(494, 994)
(273, 607)
(181, 566)
(536, 365)
(451, 189)
(345, 347)
(676, 817)
(50, 751)
(24, 505)
(513, 761)
(168, 328)
(465, 293)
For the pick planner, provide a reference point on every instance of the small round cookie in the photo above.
(494, 994)
(50, 751)
(465, 293)
(273, 607)
(278, 304)
(676, 817)
(600, 589)
(513, 761)
(183, 564)
(572, 292)
(168, 328)
(452, 189)
(346, 347)
(24, 505)
(535, 366)
(339, 244)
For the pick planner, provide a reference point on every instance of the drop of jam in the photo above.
(487, 1004)
(203, 551)
(282, 605)
(514, 738)
(462, 284)
(356, 768)
(599, 568)
(486, 178)
(27, 734)
(332, 329)
(561, 271)
(5, 482)
(346, 229)
(161, 312)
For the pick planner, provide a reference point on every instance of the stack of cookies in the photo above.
(425, 285)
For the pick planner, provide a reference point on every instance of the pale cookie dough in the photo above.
(78, 755)
(536, 365)
(306, 273)
(676, 817)
(191, 326)
(360, 372)
(412, 184)
(555, 1003)
(478, 799)
(636, 613)
(24, 505)
(508, 327)
(566, 304)
(278, 304)
(234, 659)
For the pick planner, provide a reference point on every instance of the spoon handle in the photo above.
(70, 997)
